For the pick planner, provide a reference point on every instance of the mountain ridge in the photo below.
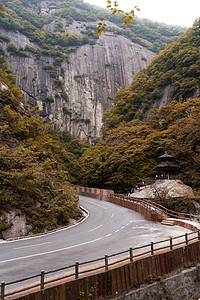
(52, 76)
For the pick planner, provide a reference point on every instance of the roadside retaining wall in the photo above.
(149, 215)
(120, 280)
(95, 193)
(185, 285)
(123, 279)
(108, 195)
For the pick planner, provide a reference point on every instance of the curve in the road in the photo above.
(108, 229)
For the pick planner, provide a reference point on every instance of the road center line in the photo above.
(49, 252)
(31, 246)
(112, 215)
(95, 204)
(96, 227)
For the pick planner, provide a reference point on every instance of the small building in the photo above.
(167, 167)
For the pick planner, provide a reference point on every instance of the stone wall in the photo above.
(185, 285)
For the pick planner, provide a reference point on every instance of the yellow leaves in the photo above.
(104, 29)
(137, 8)
(101, 27)
(99, 31)
(1, 9)
(127, 18)
(114, 10)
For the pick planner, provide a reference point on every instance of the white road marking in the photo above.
(127, 224)
(122, 227)
(49, 233)
(109, 234)
(50, 252)
(117, 230)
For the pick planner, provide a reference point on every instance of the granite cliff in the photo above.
(74, 82)
(90, 79)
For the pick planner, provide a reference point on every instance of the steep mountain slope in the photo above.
(173, 75)
(63, 68)
(127, 154)
(132, 142)
(37, 165)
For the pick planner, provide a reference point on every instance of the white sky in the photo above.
(172, 12)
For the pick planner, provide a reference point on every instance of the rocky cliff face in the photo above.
(87, 82)
(18, 224)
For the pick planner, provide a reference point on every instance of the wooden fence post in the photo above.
(76, 270)
(106, 262)
(186, 239)
(131, 254)
(42, 280)
(171, 244)
(2, 290)
(152, 250)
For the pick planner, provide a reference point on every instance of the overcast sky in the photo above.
(172, 12)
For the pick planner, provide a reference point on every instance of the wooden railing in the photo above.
(104, 263)
(159, 209)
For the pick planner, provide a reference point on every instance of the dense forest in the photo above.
(131, 142)
(177, 67)
(127, 154)
(37, 164)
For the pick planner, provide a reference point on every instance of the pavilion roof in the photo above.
(166, 164)
(166, 155)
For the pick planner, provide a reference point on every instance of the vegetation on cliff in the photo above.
(26, 17)
(37, 164)
(131, 143)
(127, 154)
(177, 67)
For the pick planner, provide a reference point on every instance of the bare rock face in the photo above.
(18, 228)
(87, 83)
(171, 188)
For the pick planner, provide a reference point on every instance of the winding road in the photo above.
(107, 229)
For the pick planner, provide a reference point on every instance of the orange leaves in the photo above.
(127, 18)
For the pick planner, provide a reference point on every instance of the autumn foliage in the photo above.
(127, 154)
(37, 164)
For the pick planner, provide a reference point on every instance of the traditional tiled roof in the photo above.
(166, 161)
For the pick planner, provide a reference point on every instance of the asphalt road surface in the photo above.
(108, 229)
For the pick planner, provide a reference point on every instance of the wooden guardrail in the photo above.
(103, 263)
(158, 208)
(107, 262)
